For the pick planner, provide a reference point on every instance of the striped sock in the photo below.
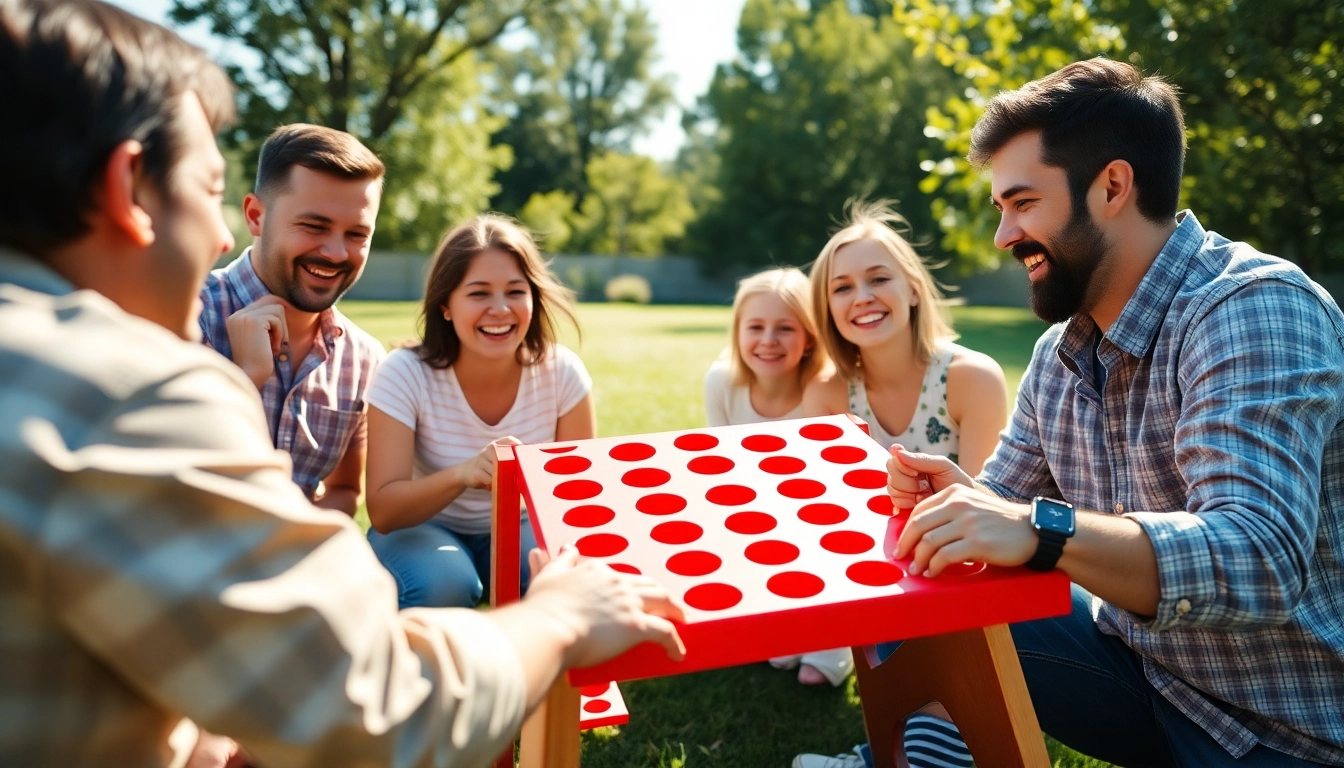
(931, 742)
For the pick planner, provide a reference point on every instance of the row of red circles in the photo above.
(750, 523)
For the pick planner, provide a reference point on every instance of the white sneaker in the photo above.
(849, 760)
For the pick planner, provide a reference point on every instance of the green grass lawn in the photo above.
(648, 366)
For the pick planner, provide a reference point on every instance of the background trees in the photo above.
(531, 106)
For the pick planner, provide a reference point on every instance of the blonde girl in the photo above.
(487, 369)
(773, 352)
(881, 319)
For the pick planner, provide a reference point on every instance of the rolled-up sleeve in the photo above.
(179, 553)
(1262, 382)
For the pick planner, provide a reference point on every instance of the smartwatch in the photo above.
(1054, 524)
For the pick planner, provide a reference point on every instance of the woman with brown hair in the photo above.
(487, 370)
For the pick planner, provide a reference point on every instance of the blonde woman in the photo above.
(487, 369)
(896, 366)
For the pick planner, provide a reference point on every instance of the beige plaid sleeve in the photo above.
(184, 565)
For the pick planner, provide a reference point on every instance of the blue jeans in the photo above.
(1090, 693)
(438, 568)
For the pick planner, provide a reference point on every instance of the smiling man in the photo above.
(271, 311)
(1177, 449)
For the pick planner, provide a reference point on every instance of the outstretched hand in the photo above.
(607, 611)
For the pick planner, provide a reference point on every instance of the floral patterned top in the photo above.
(930, 430)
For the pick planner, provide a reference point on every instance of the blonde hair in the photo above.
(876, 221)
(439, 345)
(790, 285)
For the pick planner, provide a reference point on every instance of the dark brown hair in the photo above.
(1089, 114)
(80, 78)
(440, 347)
(325, 150)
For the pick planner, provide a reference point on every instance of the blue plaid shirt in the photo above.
(316, 413)
(1217, 428)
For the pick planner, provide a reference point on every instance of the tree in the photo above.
(398, 74)
(633, 209)
(1264, 108)
(823, 104)
(1260, 85)
(583, 89)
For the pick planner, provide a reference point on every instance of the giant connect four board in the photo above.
(776, 538)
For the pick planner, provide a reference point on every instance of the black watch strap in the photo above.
(1048, 550)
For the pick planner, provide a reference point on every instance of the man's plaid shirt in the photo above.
(313, 415)
(1218, 429)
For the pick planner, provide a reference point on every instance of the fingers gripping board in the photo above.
(771, 535)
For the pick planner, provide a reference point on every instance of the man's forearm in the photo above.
(341, 499)
(1112, 557)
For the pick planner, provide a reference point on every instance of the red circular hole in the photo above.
(782, 465)
(771, 552)
(645, 477)
(588, 516)
(712, 597)
(730, 495)
(764, 443)
(709, 465)
(823, 514)
(693, 563)
(660, 504)
(596, 706)
(843, 454)
(795, 584)
(749, 523)
(601, 545)
(821, 432)
(881, 505)
(866, 478)
(677, 532)
(561, 449)
(801, 489)
(847, 542)
(956, 570)
(874, 573)
(567, 465)
(576, 490)
(631, 452)
(696, 442)
(623, 568)
(594, 690)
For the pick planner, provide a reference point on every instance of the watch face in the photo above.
(1050, 515)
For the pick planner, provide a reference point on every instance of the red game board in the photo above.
(773, 535)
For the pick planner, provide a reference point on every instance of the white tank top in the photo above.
(930, 430)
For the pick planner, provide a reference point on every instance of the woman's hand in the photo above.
(479, 472)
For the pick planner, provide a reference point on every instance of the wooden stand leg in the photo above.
(551, 734)
(975, 675)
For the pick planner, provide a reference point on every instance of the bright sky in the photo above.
(693, 37)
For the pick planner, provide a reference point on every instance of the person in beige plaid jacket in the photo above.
(161, 577)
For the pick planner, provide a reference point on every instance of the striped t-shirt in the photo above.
(447, 432)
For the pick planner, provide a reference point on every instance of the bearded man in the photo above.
(1177, 448)
(271, 311)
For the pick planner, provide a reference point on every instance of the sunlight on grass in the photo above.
(648, 365)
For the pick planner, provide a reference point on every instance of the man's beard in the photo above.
(1071, 264)
(292, 290)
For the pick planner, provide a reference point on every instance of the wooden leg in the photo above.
(975, 675)
(551, 734)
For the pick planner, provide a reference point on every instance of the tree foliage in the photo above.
(1261, 95)
(824, 102)
(633, 209)
(398, 74)
(584, 88)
